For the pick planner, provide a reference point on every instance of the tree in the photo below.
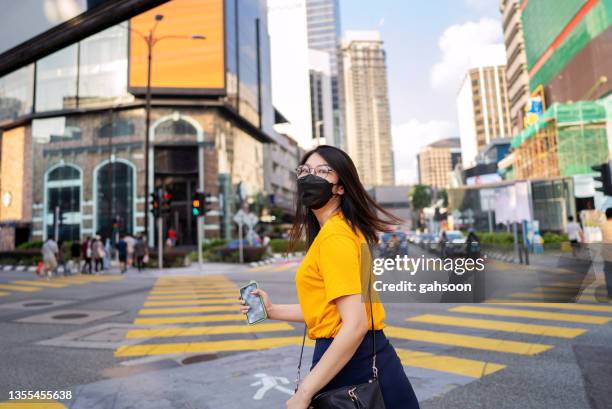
(420, 197)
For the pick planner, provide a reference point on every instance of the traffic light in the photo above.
(166, 205)
(198, 204)
(154, 205)
(605, 177)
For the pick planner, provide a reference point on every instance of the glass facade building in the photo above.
(81, 131)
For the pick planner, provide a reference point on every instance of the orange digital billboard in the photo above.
(182, 62)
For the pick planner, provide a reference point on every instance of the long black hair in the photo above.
(359, 209)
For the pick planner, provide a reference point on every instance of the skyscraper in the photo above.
(437, 160)
(482, 103)
(516, 66)
(324, 35)
(368, 124)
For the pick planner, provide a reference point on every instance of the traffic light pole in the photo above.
(160, 242)
(200, 219)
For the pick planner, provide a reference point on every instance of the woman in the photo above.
(340, 220)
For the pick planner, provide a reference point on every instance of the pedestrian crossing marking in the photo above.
(467, 341)
(541, 315)
(19, 288)
(189, 310)
(445, 363)
(189, 319)
(563, 306)
(191, 296)
(208, 346)
(191, 302)
(505, 326)
(4, 293)
(31, 404)
(39, 283)
(209, 330)
(194, 292)
(558, 297)
(560, 289)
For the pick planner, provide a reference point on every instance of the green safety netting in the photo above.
(542, 21)
(578, 113)
(581, 133)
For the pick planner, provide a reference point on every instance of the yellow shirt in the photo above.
(332, 269)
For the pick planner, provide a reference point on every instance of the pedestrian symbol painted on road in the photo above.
(268, 382)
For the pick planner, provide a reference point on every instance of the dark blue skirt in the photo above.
(394, 384)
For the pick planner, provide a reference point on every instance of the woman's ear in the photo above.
(339, 189)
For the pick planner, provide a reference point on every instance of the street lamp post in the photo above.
(151, 40)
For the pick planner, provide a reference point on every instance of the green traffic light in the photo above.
(196, 212)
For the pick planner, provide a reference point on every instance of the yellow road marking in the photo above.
(562, 306)
(210, 346)
(444, 363)
(31, 404)
(191, 297)
(284, 267)
(190, 320)
(541, 315)
(191, 302)
(39, 283)
(3, 293)
(20, 288)
(194, 292)
(561, 289)
(546, 296)
(189, 310)
(542, 330)
(467, 341)
(194, 288)
(213, 330)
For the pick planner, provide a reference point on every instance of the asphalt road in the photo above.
(175, 340)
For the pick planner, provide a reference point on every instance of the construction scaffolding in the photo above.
(566, 141)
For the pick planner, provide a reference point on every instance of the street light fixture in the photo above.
(151, 40)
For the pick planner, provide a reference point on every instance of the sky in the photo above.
(427, 44)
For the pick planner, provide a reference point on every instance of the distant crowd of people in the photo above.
(93, 255)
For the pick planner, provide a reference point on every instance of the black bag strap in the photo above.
(374, 368)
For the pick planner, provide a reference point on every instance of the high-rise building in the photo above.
(482, 104)
(437, 160)
(368, 124)
(516, 64)
(324, 34)
(73, 117)
(321, 98)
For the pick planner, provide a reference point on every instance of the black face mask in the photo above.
(314, 191)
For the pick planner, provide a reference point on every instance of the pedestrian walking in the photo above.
(574, 234)
(74, 264)
(108, 253)
(122, 252)
(49, 255)
(606, 229)
(171, 240)
(98, 253)
(340, 221)
(61, 258)
(131, 241)
(86, 254)
(140, 251)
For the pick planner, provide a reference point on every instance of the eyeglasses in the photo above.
(321, 171)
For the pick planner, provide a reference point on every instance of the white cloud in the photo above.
(409, 138)
(457, 43)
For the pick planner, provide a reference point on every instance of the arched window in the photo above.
(115, 184)
(63, 202)
(176, 127)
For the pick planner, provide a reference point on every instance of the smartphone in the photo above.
(257, 312)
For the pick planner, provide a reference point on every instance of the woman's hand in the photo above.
(266, 300)
(299, 401)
